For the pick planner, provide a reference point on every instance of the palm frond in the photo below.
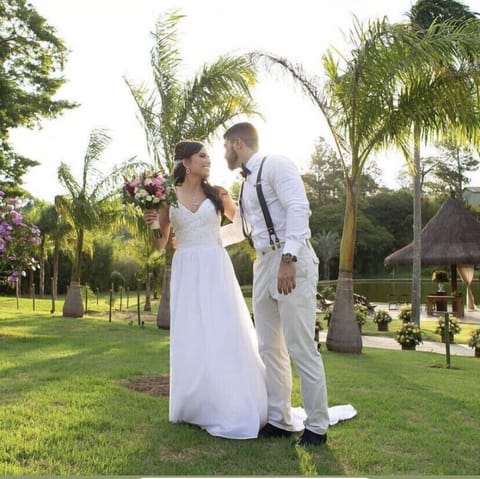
(97, 143)
(147, 106)
(165, 61)
(67, 179)
(311, 86)
(216, 95)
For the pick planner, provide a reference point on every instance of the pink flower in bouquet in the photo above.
(151, 191)
(130, 186)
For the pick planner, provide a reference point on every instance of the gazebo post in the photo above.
(453, 273)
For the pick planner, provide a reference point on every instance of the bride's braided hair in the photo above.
(184, 151)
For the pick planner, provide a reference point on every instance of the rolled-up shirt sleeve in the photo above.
(290, 191)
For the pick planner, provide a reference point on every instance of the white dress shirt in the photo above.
(286, 199)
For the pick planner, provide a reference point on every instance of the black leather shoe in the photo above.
(269, 430)
(309, 438)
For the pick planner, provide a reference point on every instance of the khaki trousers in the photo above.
(285, 327)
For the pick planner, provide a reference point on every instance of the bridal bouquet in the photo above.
(151, 191)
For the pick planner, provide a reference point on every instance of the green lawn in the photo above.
(65, 409)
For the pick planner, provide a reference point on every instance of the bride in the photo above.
(217, 379)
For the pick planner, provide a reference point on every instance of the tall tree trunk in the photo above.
(73, 306)
(326, 270)
(163, 316)
(56, 261)
(343, 333)
(78, 257)
(41, 273)
(417, 230)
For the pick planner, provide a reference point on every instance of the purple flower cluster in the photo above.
(17, 241)
(150, 191)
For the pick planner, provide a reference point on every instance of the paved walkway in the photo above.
(383, 342)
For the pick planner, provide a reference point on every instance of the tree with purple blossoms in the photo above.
(18, 242)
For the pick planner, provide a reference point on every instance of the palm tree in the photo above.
(45, 220)
(327, 247)
(62, 236)
(174, 110)
(361, 102)
(87, 206)
(422, 15)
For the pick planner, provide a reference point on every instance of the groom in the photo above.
(284, 284)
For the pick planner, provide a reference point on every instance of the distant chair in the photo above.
(404, 299)
(323, 303)
(393, 301)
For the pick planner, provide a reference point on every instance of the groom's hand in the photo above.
(287, 274)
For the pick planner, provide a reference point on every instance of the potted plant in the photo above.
(318, 328)
(328, 315)
(408, 336)
(440, 277)
(474, 342)
(405, 313)
(360, 315)
(381, 318)
(453, 328)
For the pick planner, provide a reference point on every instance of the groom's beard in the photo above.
(232, 160)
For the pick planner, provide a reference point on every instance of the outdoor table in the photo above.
(456, 302)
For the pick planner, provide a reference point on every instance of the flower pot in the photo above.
(382, 326)
(408, 347)
(477, 352)
(451, 338)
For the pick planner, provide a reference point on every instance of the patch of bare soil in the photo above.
(155, 386)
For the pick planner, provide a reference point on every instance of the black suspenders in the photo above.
(274, 241)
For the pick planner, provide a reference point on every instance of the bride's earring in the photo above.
(187, 169)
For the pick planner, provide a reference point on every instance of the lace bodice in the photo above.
(201, 228)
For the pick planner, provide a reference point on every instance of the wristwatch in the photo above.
(288, 258)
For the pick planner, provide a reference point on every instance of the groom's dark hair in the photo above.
(245, 131)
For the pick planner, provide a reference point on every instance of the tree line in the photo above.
(403, 84)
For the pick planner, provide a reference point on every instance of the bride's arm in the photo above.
(228, 204)
(233, 232)
(149, 216)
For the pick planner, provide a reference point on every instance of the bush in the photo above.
(453, 326)
(381, 316)
(328, 315)
(360, 314)
(409, 335)
(474, 341)
(405, 313)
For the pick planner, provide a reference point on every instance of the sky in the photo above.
(110, 41)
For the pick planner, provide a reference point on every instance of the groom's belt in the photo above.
(279, 247)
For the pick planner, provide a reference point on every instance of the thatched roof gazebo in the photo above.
(451, 237)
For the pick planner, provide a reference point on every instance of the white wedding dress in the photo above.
(217, 379)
